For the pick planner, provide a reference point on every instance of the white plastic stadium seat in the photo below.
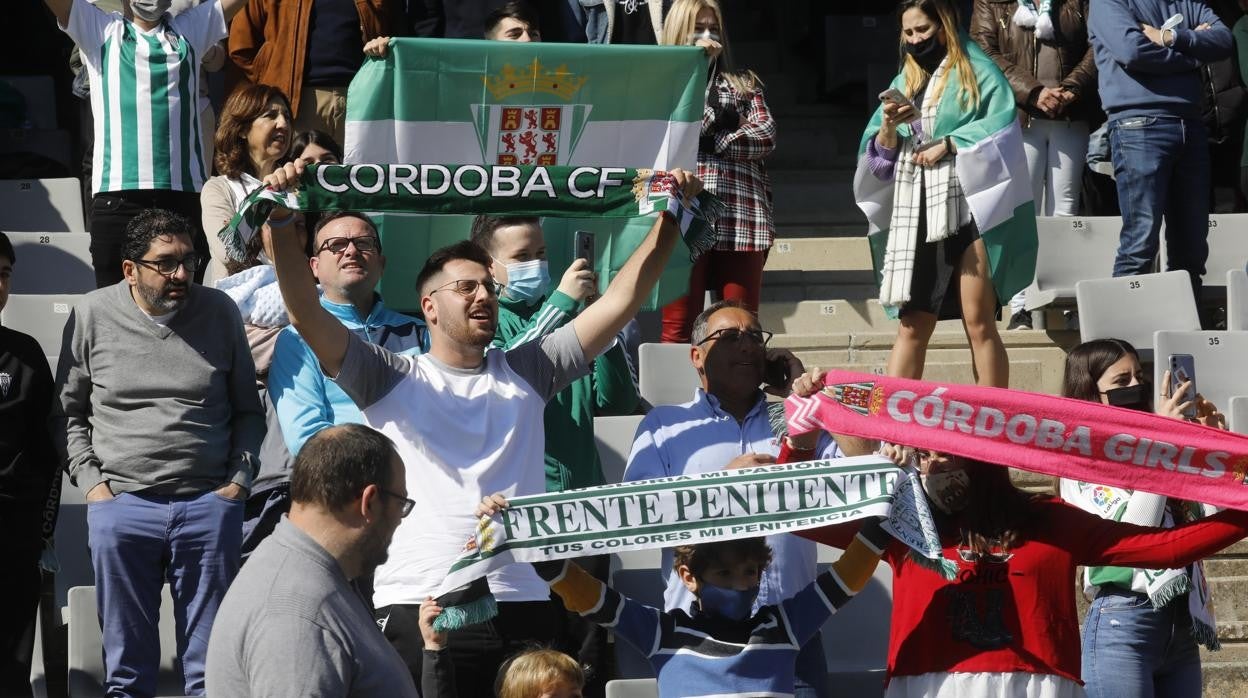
(1237, 300)
(1219, 359)
(40, 316)
(1228, 247)
(41, 205)
(1134, 307)
(86, 662)
(52, 263)
(633, 688)
(667, 377)
(1237, 414)
(1071, 250)
(614, 438)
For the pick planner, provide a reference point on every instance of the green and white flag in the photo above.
(991, 168)
(464, 102)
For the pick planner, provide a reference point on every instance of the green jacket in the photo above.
(571, 455)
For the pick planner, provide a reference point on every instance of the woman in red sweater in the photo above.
(1006, 625)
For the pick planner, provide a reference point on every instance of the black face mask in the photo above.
(1133, 397)
(928, 53)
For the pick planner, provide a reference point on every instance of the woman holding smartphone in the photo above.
(738, 134)
(925, 151)
(1142, 631)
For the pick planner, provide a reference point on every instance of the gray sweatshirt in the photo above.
(168, 409)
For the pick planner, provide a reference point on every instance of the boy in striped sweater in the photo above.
(718, 647)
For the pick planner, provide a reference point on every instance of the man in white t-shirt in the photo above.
(467, 422)
(144, 66)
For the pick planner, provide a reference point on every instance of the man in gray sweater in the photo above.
(161, 421)
(292, 624)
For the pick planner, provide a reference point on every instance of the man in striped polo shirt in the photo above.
(144, 71)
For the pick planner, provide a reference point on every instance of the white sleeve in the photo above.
(88, 27)
(203, 26)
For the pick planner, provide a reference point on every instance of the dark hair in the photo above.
(330, 216)
(465, 249)
(1086, 363)
(337, 463)
(243, 106)
(995, 509)
(698, 333)
(6, 249)
(484, 227)
(149, 225)
(516, 9)
(701, 556)
(303, 139)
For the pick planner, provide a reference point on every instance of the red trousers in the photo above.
(732, 275)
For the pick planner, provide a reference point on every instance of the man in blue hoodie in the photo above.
(1148, 55)
(347, 261)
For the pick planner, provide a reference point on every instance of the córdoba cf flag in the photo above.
(462, 102)
(991, 169)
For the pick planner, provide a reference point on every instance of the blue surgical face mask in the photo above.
(528, 281)
(730, 603)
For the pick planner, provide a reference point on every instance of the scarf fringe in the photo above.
(478, 610)
(1170, 591)
(946, 568)
(1205, 635)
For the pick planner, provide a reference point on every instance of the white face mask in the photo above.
(150, 10)
(704, 34)
(947, 489)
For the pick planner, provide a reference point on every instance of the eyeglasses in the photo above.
(732, 335)
(168, 267)
(405, 508)
(363, 244)
(468, 287)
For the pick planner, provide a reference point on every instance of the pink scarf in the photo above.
(1058, 436)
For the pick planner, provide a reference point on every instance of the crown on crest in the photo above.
(534, 78)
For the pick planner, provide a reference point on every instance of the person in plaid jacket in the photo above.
(738, 134)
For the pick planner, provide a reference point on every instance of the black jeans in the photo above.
(112, 211)
(478, 650)
(19, 587)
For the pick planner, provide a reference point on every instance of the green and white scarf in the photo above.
(500, 190)
(686, 510)
(1039, 17)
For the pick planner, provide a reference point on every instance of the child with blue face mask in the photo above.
(720, 645)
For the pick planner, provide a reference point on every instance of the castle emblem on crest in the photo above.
(864, 398)
(523, 126)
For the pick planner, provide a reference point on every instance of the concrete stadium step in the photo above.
(1226, 565)
(1225, 673)
(815, 196)
(808, 254)
(821, 231)
(1231, 596)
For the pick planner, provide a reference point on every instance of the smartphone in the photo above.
(776, 372)
(929, 144)
(1182, 370)
(1171, 23)
(894, 96)
(583, 246)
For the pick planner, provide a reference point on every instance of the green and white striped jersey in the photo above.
(145, 95)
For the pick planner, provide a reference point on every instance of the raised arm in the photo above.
(60, 8)
(598, 324)
(1106, 542)
(324, 334)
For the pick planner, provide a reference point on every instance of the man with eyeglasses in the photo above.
(467, 422)
(727, 425)
(161, 424)
(292, 624)
(347, 261)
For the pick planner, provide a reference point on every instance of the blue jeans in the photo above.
(1161, 165)
(1131, 650)
(138, 541)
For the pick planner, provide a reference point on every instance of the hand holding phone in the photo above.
(1171, 23)
(894, 96)
(1183, 370)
